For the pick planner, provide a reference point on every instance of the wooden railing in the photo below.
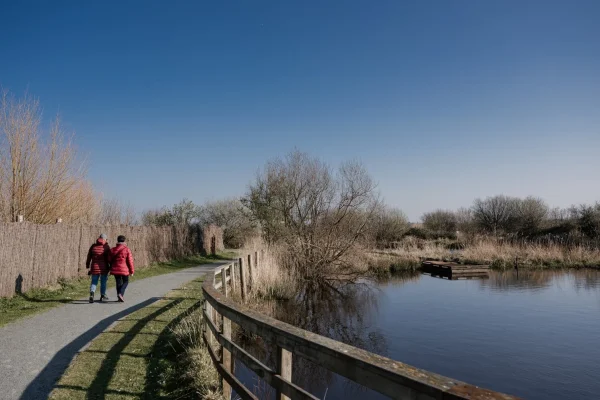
(381, 374)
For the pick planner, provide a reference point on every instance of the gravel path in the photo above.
(35, 352)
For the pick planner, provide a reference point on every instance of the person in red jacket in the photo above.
(97, 262)
(121, 266)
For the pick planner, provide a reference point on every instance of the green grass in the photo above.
(39, 300)
(140, 357)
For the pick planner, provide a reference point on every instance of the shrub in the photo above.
(319, 215)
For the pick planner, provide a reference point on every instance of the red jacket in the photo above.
(97, 258)
(121, 260)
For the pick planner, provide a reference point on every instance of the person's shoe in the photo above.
(104, 298)
(121, 299)
(91, 297)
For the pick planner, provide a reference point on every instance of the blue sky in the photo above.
(443, 101)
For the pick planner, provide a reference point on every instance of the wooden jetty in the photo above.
(453, 270)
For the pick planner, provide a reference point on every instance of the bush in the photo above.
(233, 218)
(319, 215)
(495, 214)
(589, 220)
(389, 225)
(443, 221)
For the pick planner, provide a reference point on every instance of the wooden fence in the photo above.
(34, 256)
(391, 378)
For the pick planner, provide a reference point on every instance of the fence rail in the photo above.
(391, 378)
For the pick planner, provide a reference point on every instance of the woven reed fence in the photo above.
(35, 256)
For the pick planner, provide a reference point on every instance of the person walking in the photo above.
(98, 264)
(121, 266)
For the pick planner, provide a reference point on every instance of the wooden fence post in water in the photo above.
(284, 369)
(256, 260)
(242, 278)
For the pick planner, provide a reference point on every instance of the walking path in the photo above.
(35, 352)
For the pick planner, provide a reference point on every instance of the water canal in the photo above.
(535, 334)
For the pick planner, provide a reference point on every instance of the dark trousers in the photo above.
(122, 282)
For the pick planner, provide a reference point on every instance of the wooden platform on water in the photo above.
(453, 270)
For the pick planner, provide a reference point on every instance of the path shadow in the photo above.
(167, 347)
(43, 383)
(34, 300)
(99, 386)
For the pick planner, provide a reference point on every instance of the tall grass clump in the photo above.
(200, 371)
(274, 277)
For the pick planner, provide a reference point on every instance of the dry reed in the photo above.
(498, 254)
(271, 278)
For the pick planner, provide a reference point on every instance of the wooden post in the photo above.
(232, 274)
(224, 280)
(226, 357)
(242, 279)
(204, 307)
(250, 278)
(256, 259)
(284, 368)
(209, 315)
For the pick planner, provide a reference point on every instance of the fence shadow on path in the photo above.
(42, 385)
(109, 365)
(130, 360)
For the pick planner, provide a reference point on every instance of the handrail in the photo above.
(391, 378)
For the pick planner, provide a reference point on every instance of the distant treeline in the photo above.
(515, 218)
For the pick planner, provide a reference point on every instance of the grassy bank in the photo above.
(486, 251)
(38, 300)
(155, 352)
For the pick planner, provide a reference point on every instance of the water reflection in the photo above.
(342, 312)
(540, 331)
(539, 280)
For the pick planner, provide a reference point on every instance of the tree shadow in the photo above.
(43, 383)
(167, 347)
(60, 301)
(99, 386)
(164, 354)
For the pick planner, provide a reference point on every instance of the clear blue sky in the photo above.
(444, 101)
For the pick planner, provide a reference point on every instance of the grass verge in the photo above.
(153, 353)
(39, 300)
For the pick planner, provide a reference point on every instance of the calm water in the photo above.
(535, 335)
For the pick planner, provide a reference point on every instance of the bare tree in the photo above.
(495, 214)
(464, 220)
(183, 213)
(441, 221)
(388, 225)
(114, 212)
(320, 215)
(233, 217)
(158, 217)
(40, 177)
(589, 220)
(531, 213)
